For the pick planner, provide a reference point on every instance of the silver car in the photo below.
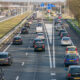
(66, 41)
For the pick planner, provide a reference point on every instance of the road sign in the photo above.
(42, 5)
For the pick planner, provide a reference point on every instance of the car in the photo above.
(24, 30)
(71, 59)
(66, 41)
(36, 40)
(64, 34)
(41, 36)
(58, 27)
(17, 40)
(62, 30)
(73, 72)
(1, 74)
(5, 58)
(72, 49)
(39, 46)
(27, 25)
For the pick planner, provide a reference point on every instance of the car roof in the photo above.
(74, 66)
(17, 36)
(40, 33)
(71, 46)
(4, 53)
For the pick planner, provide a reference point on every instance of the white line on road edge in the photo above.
(48, 50)
(7, 47)
(22, 63)
(17, 78)
(53, 74)
(53, 48)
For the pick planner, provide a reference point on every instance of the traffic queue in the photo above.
(71, 58)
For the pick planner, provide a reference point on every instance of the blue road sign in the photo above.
(53, 5)
(42, 5)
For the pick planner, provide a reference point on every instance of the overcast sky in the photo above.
(33, 0)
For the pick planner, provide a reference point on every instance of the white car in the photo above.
(39, 29)
(66, 41)
(41, 36)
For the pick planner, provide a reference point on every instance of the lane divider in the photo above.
(48, 46)
(54, 64)
(17, 78)
(22, 63)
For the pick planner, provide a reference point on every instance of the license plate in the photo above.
(77, 78)
(71, 60)
(17, 40)
(40, 49)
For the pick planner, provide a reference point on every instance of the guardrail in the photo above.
(4, 40)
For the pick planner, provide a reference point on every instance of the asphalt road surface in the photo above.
(30, 65)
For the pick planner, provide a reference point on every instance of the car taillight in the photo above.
(65, 60)
(43, 46)
(66, 49)
(35, 46)
(77, 60)
(69, 75)
(20, 39)
(68, 35)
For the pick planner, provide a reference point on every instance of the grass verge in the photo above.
(9, 24)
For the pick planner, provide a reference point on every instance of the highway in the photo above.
(48, 65)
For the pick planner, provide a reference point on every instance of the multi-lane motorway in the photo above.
(48, 65)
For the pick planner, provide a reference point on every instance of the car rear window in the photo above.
(65, 34)
(3, 56)
(75, 70)
(71, 49)
(39, 44)
(17, 38)
(66, 38)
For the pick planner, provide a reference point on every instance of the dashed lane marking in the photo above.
(17, 78)
(53, 74)
(22, 63)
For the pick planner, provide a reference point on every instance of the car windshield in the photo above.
(75, 70)
(3, 56)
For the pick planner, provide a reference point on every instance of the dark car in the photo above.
(39, 24)
(73, 72)
(17, 40)
(64, 34)
(39, 46)
(5, 58)
(24, 30)
(36, 40)
(27, 25)
(1, 74)
(63, 30)
(71, 59)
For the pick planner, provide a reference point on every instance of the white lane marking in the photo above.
(53, 79)
(17, 78)
(48, 49)
(53, 48)
(7, 47)
(53, 74)
(26, 54)
(22, 63)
